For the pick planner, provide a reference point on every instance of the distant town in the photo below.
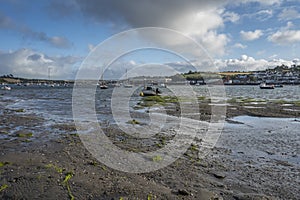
(279, 75)
(282, 75)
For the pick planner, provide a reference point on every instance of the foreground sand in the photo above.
(50, 164)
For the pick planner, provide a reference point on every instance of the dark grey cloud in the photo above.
(141, 13)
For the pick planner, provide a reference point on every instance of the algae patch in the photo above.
(2, 164)
(68, 176)
(3, 187)
(24, 135)
(157, 158)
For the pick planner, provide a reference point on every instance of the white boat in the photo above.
(163, 85)
(127, 86)
(6, 87)
(102, 83)
(265, 86)
(103, 86)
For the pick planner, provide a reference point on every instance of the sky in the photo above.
(39, 37)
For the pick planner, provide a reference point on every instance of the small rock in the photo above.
(183, 192)
(219, 175)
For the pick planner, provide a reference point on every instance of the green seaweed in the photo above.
(23, 135)
(20, 110)
(296, 103)
(57, 169)
(68, 176)
(3, 187)
(281, 101)
(160, 100)
(154, 98)
(149, 197)
(193, 147)
(157, 158)
(4, 163)
(201, 98)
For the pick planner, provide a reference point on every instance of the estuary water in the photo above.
(55, 103)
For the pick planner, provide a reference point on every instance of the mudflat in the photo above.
(39, 162)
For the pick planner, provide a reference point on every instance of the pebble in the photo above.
(219, 175)
(183, 192)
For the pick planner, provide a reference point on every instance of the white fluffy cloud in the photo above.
(248, 63)
(244, 63)
(31, 64)
(251, 35)
(285, 35)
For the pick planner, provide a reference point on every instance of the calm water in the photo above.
(55, 104)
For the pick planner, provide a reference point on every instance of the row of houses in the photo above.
(278, 75)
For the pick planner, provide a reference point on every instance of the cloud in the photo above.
(262, 2)
(285, 37)
(248, 63)
(239, 46)
(289, 14)
(244, 63)
(31, 64)
(27, 33)
(231, 16)
(198, 19)
(261, 15)
(251, 35)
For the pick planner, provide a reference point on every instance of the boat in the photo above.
(127, 83)
(163, 85)
(128, 86)
(265, 86)
(102, 83)
(103, 86)
(6, 87)
(150, 91)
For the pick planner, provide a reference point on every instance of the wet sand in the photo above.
(46, 163)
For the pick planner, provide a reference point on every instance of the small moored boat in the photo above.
(265, 86)
(6, 87)
(103, 86)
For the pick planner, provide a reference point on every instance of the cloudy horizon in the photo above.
(242, 35)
